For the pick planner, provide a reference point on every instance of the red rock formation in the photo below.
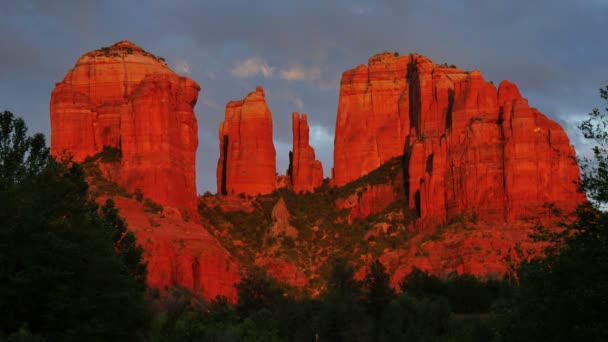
(283, 271)
(247, 162)
(126, 98)
(367, 201)
(469, 148)
(181, 253)
(306, 172)
(372, 199)
(373, 117)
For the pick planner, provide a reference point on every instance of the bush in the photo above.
(139, 196)
(152, 207)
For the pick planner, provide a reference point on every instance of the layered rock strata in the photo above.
(247, 163)
(469, 148)
(125, 98)
(305, 171)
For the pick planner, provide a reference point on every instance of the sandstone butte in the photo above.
(126, 98)
(468, 147)
(129, 99)
(305, 171)
(247, 163)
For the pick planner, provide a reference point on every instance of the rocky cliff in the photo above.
(125, 98)
(468, 147)
(305, 171)
(126, 107)
(180, 252)
(247, 163)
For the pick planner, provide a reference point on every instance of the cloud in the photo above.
(297, 101)
(209, 102)
(182, 67)
(252, 67)
(299, 73)
(360, 10)
(320, 136)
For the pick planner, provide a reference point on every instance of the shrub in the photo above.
(139, 196)
(152, 207)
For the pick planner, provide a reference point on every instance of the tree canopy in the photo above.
(61, 278)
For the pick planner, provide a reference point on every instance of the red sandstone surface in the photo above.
(306, 171)
(469, 147)
(283, 271)
(247, 163)
(470, 150)
(126, 98)
(180, 252)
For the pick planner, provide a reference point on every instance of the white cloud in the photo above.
(183, 67)
(300, 73)
(297, 101)
(252, 67)
(360, 10)
(320, 136)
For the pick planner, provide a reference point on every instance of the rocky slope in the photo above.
(180, 252)
(247, 163)
(127, 99)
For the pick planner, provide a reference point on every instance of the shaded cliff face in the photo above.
(468, 148)
(305, 171)
(247, 163)
(125, 98)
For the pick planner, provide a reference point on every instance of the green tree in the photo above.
(377, 289)
(420, 283)
(342, 278)
(342, 316)
(257, 291)
(60, 278)
(594, 176)
(124, 243)
(20, 155)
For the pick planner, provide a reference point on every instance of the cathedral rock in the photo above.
(305, 171)
(125, 98)
(247, 163)
(468, 147)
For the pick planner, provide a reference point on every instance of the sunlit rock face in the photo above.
(305, 171)
(181, 253)
(468, 147)
(126, 98)
(247, 163)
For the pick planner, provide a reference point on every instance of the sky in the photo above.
(555, 51)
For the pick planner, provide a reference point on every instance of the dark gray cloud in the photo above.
(554, 51)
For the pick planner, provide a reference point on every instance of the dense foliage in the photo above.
(350, 310)
(66, 270)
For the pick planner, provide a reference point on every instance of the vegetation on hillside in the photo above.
(323, 230)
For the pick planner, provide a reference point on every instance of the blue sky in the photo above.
(555, 51)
